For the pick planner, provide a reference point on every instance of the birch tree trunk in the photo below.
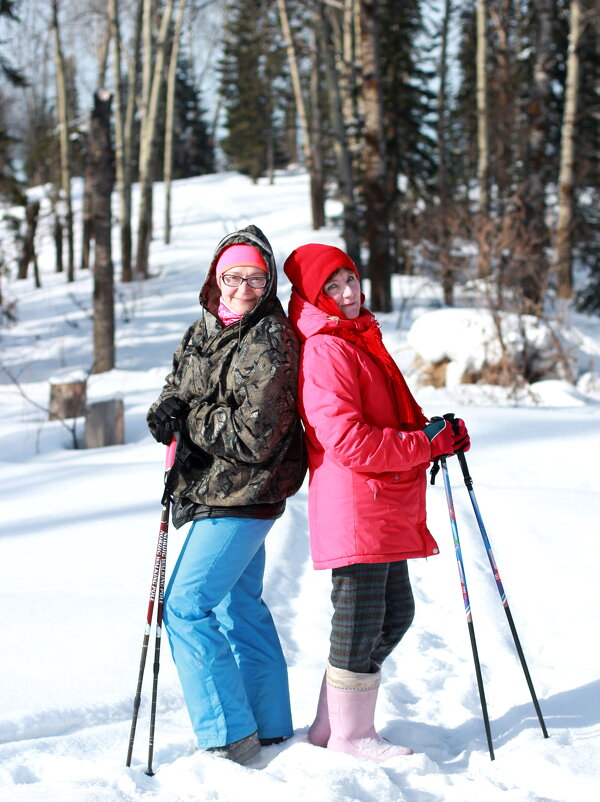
(65, 154)
(316, 139)
(169, 120)
(121, 166)
(128, 147)
(351, 232)
(147, 142)
(447, 274)
(87, 225)
(564, 228)
(374, 162)
(102, 56)
(146, 64)
(483, 159)
(307, 146)
(101, 157)
(347, 69)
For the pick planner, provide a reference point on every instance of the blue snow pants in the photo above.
(223, 639)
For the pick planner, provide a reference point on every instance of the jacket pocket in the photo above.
(391, 480)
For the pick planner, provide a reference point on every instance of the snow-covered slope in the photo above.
(78, 532)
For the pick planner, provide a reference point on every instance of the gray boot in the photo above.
(239, 751)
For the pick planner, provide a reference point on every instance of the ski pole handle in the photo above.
(462, 460)
(171, 449)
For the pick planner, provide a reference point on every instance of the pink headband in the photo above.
(240, 256)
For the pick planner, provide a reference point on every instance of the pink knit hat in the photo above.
(240, 256)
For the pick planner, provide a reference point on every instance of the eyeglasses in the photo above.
(255, 282)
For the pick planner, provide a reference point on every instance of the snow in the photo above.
(79, 529)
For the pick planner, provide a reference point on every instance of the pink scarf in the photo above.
(226, 315)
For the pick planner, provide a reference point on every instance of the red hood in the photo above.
(308, 319)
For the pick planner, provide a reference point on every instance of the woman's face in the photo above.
(344, 288)
(244, 298)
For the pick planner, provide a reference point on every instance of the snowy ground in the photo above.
(78, 533)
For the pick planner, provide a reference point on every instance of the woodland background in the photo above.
(458, 140)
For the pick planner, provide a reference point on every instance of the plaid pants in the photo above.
(373, 607)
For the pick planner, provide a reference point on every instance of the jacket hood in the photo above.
(309, 266)
(251, 235)
(308, 319)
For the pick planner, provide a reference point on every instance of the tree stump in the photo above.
(67, 399)
(105, 424)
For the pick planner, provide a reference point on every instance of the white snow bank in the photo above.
(473, 340)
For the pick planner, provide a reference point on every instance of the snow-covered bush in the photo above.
(455, 346)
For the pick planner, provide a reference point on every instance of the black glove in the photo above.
(169, 417)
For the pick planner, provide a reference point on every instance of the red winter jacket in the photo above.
(367, 486)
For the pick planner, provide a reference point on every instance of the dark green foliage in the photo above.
(12, 74)
(41, 153)
(193, 152)
(10, 186)
(409, 117)
(409, 102)
(193, 149)
(252, 88)
(11, 189)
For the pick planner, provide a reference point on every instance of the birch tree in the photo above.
(169, 118)
(63, 127)
(483, 157)
(442, 135)
(341, 147)
(123, 130)
(374, 161)
(564, 227)
(308, 146)
(148, 136)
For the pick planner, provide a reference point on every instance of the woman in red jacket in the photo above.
(369, 446)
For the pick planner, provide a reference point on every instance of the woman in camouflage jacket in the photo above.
(231, 395)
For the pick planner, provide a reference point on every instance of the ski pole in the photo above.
(469, 484)
(465, 593)
(164, 523)
(158, 573)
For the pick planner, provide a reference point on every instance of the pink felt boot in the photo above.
(319, 731)
(351, 700)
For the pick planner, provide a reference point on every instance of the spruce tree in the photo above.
(9, 184)
(193, 152)
(409, 114)
(251, 83)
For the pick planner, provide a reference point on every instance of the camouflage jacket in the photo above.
(241, 384)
